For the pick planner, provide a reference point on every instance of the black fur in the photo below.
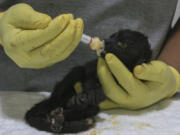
(67, 112)
(135, 47)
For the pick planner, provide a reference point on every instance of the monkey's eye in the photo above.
(122, 45)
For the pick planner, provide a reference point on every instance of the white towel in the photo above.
(161, 119)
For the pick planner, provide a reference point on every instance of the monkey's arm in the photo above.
(65, 88)
(92, 93)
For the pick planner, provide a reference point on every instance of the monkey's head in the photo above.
(131, 47)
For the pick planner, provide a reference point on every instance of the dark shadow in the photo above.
(176, 96)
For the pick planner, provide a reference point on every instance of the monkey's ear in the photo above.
(116, 34)
(119, 33)
(113, 35)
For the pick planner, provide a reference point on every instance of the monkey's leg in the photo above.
(76, 119)
(58, 120)
(65, 88)
(93, 97)
(39, 116)
(77, 126)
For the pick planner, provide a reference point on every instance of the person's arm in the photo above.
(171, 52)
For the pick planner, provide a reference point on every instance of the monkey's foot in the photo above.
(56, 119)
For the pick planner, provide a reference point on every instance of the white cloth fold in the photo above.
(161, 119)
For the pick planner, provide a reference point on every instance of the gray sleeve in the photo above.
(176, 15)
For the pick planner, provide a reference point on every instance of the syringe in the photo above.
(94, 42)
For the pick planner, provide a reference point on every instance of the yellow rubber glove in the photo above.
(33, 40)
(162, 81)
(1, 13)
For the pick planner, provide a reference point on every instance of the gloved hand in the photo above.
(1, 13)
(33, 40)
(162, 81)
